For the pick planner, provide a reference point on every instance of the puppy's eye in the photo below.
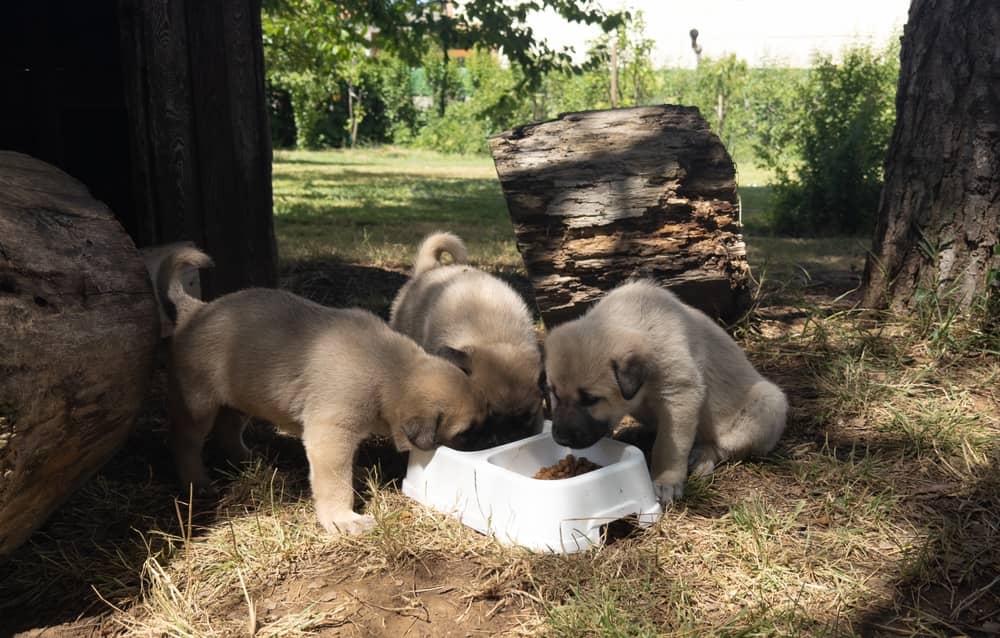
(587, 399)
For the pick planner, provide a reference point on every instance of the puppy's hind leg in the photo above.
(331, 446)
(759, 424)
(229, 425)
(191, 420)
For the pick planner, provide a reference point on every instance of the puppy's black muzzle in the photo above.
(573, 426)
(496, 430)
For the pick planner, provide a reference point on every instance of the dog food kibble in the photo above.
(566, 468)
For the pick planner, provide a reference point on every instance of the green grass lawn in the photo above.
(373, 206)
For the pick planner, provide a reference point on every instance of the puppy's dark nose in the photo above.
(422, 437)
(574, 438)
(572, 426)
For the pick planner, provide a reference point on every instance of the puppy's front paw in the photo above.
(348, 523)
(668, 492)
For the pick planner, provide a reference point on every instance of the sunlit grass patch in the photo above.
(375, 209)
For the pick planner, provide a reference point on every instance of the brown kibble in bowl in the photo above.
(566, 468)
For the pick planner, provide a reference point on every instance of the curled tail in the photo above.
(170, 286)
(429, 255)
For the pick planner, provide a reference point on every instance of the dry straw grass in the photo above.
(877, 514)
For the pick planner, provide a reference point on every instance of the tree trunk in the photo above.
(350, 112)
(200, 133)
(78, 331)
(443, 98)
(720, 113)
(939, 215)
(602, 196)
(613, 88)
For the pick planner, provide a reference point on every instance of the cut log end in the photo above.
(601, 197)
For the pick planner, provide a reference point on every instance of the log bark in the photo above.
(599, 197)
(78, 332)
(939, 216)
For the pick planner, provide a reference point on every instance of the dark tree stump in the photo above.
(601, 196)
(78, 331)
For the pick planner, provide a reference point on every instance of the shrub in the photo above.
(841, 134)
(494, 104)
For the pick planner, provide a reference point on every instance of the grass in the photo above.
(374, 207)
(876, 515)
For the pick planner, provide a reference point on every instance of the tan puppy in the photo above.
(641, 352)
(481, 324)
(331, 376)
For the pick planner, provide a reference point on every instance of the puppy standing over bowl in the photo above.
(331, 376)
(483, 325)
(640, 351)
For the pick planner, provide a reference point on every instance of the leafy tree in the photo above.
(310, 45)
(770, 114)
(721, 81)
(621, 62)
(408, 26)
(492, 105)
(313, 46)
(635, 56)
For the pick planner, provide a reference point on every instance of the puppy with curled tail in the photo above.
(330, 376)
(482, 325)
(640, 351)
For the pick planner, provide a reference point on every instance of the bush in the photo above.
(842, 132)
(494, 105)
(279, 104)
(460, 130)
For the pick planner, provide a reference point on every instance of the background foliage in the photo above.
(409, 73)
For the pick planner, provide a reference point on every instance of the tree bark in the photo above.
(939, 215)
(199, 131)
(78, 331)
(601, 196)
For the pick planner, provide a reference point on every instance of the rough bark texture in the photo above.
(939, 216)
(78, 331)
(601, 196)
(200, 133)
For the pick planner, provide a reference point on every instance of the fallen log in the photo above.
(599, 197)
(78, 332)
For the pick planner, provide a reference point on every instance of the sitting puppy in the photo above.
(331, 376)
(641, 352)
(482, 325)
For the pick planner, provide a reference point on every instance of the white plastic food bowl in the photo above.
(493, 491)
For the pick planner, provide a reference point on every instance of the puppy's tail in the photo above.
(429, 255)
(170, 287)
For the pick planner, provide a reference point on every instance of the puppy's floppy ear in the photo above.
(543, 387)
(421, 433)
(630, 374)
(458, 357)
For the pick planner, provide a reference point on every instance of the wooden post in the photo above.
(601, 196)
(199, 133)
